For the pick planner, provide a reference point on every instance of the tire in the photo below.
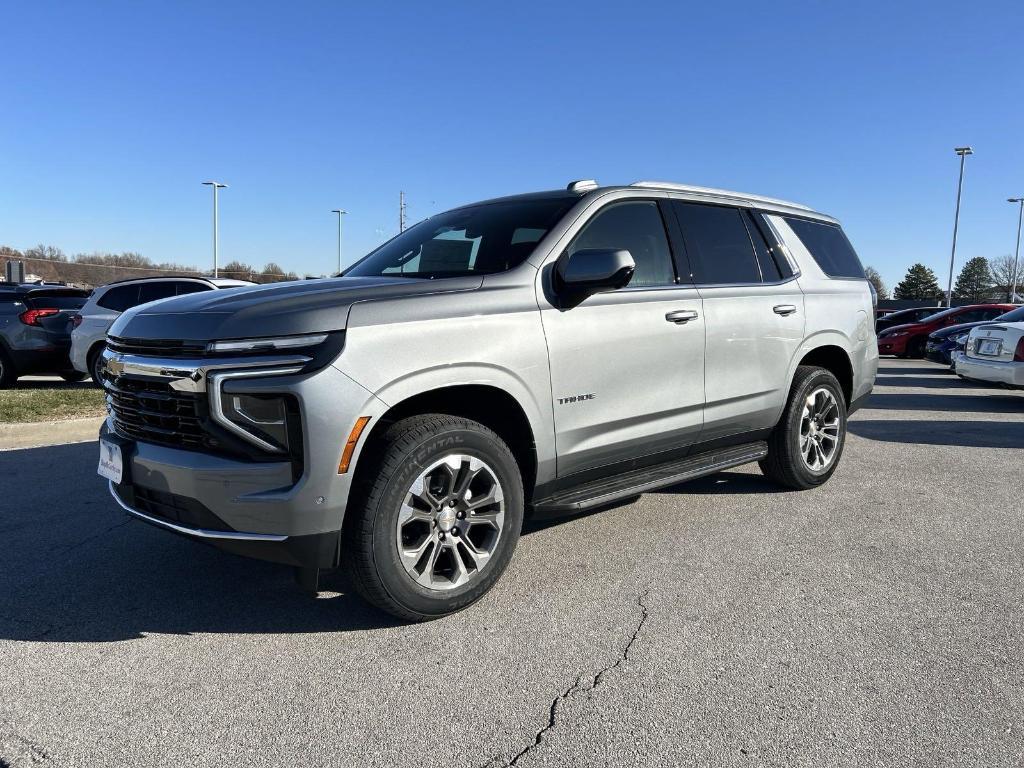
(8, 375)
(72, 376)
(785, 463)
(95, 360)
(915, 348)
(387, 516)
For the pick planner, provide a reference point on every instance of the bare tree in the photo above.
(876, 280)
(1002, 273)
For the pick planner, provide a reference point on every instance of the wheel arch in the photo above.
(490, 405)
(833, 357)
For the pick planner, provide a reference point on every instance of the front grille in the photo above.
(157, 347)
(153, 412)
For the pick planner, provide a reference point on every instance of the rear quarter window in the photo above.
(829, 247)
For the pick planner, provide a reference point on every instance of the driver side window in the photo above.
(635, 226)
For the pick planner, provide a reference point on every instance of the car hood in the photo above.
(892, 329)
(951, 330)
(281, 309)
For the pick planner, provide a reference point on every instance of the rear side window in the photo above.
(154, 291)
(120, 298)
(189, 287)
(828, 245)
(718, 244)
(637, 227)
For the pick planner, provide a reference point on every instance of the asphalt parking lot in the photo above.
(874, 621)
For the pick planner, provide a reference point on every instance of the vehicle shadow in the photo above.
(969, 434)
(944, 381)
(1001, 401)
(726, 482)
(54, 383)
(78, 569)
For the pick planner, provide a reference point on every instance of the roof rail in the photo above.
(717, 193)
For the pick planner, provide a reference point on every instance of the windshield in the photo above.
(1013, 316)
(937, 315)
(477, 240)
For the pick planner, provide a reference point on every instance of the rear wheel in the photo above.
(96, 364)
(438, 507)
(8, 376)
(805, 446)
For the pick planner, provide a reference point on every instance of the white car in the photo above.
(995, 353)
(105, 305)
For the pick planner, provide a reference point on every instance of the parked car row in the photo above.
(910, 339)
(52, 329)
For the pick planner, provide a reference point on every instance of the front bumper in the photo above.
(938, 353)
(893, 345)
(255, 508)
(996, 371)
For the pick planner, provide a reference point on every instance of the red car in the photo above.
(909, 340)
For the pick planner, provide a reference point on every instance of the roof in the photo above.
(709, 193)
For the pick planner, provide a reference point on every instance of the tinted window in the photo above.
(636, 227)
(120, 298)
(38, 300)
(991, 314)
(190, 287)
(1013, 316)
(476, 240)
(717, 244)
(828, 245)
(154, 291)
(769, 269)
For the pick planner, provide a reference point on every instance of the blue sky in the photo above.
(115, 112)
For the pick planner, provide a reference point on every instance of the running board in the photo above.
(609, 489)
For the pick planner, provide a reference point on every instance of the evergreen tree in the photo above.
(974, 283)
(876, 280)
(919, 284)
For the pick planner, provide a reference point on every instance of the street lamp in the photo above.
(340, 214)
(216, 235)
(963, 152)
(1016, 255)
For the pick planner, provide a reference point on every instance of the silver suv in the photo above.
(534, 355)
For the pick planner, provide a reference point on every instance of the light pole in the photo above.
(216, 234)
(1016, 255)
(340, 214)
(963, 152)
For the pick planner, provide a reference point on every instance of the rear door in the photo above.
(753, 312)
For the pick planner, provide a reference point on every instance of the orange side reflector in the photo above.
(350, 446)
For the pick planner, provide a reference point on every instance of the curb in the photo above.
(41, 434)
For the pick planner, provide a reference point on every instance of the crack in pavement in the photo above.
(94, 536)
(16, 750)
(595, 682)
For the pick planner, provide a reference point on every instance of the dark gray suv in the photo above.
(35, 330)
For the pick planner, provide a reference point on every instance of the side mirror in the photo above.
(593, 270)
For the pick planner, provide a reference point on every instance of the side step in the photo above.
(608, 489)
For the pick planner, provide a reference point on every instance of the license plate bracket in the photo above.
(989, 347)
(115, 457)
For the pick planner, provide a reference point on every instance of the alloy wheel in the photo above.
(819, 430)
(450, 522)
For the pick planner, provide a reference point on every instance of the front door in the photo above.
(627, 366)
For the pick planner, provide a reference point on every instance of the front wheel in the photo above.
(8, 375)
(805, 446)
(436, 514)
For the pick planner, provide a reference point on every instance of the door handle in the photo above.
(784, 309)
(681, 316)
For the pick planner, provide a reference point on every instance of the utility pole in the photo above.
(401, 211)
(1017, 253)
(963, 152)
(340, 214)
(216, 235)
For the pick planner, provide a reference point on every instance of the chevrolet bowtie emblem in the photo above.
(115, 366)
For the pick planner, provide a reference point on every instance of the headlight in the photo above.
(263, 417)
(267, 345)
